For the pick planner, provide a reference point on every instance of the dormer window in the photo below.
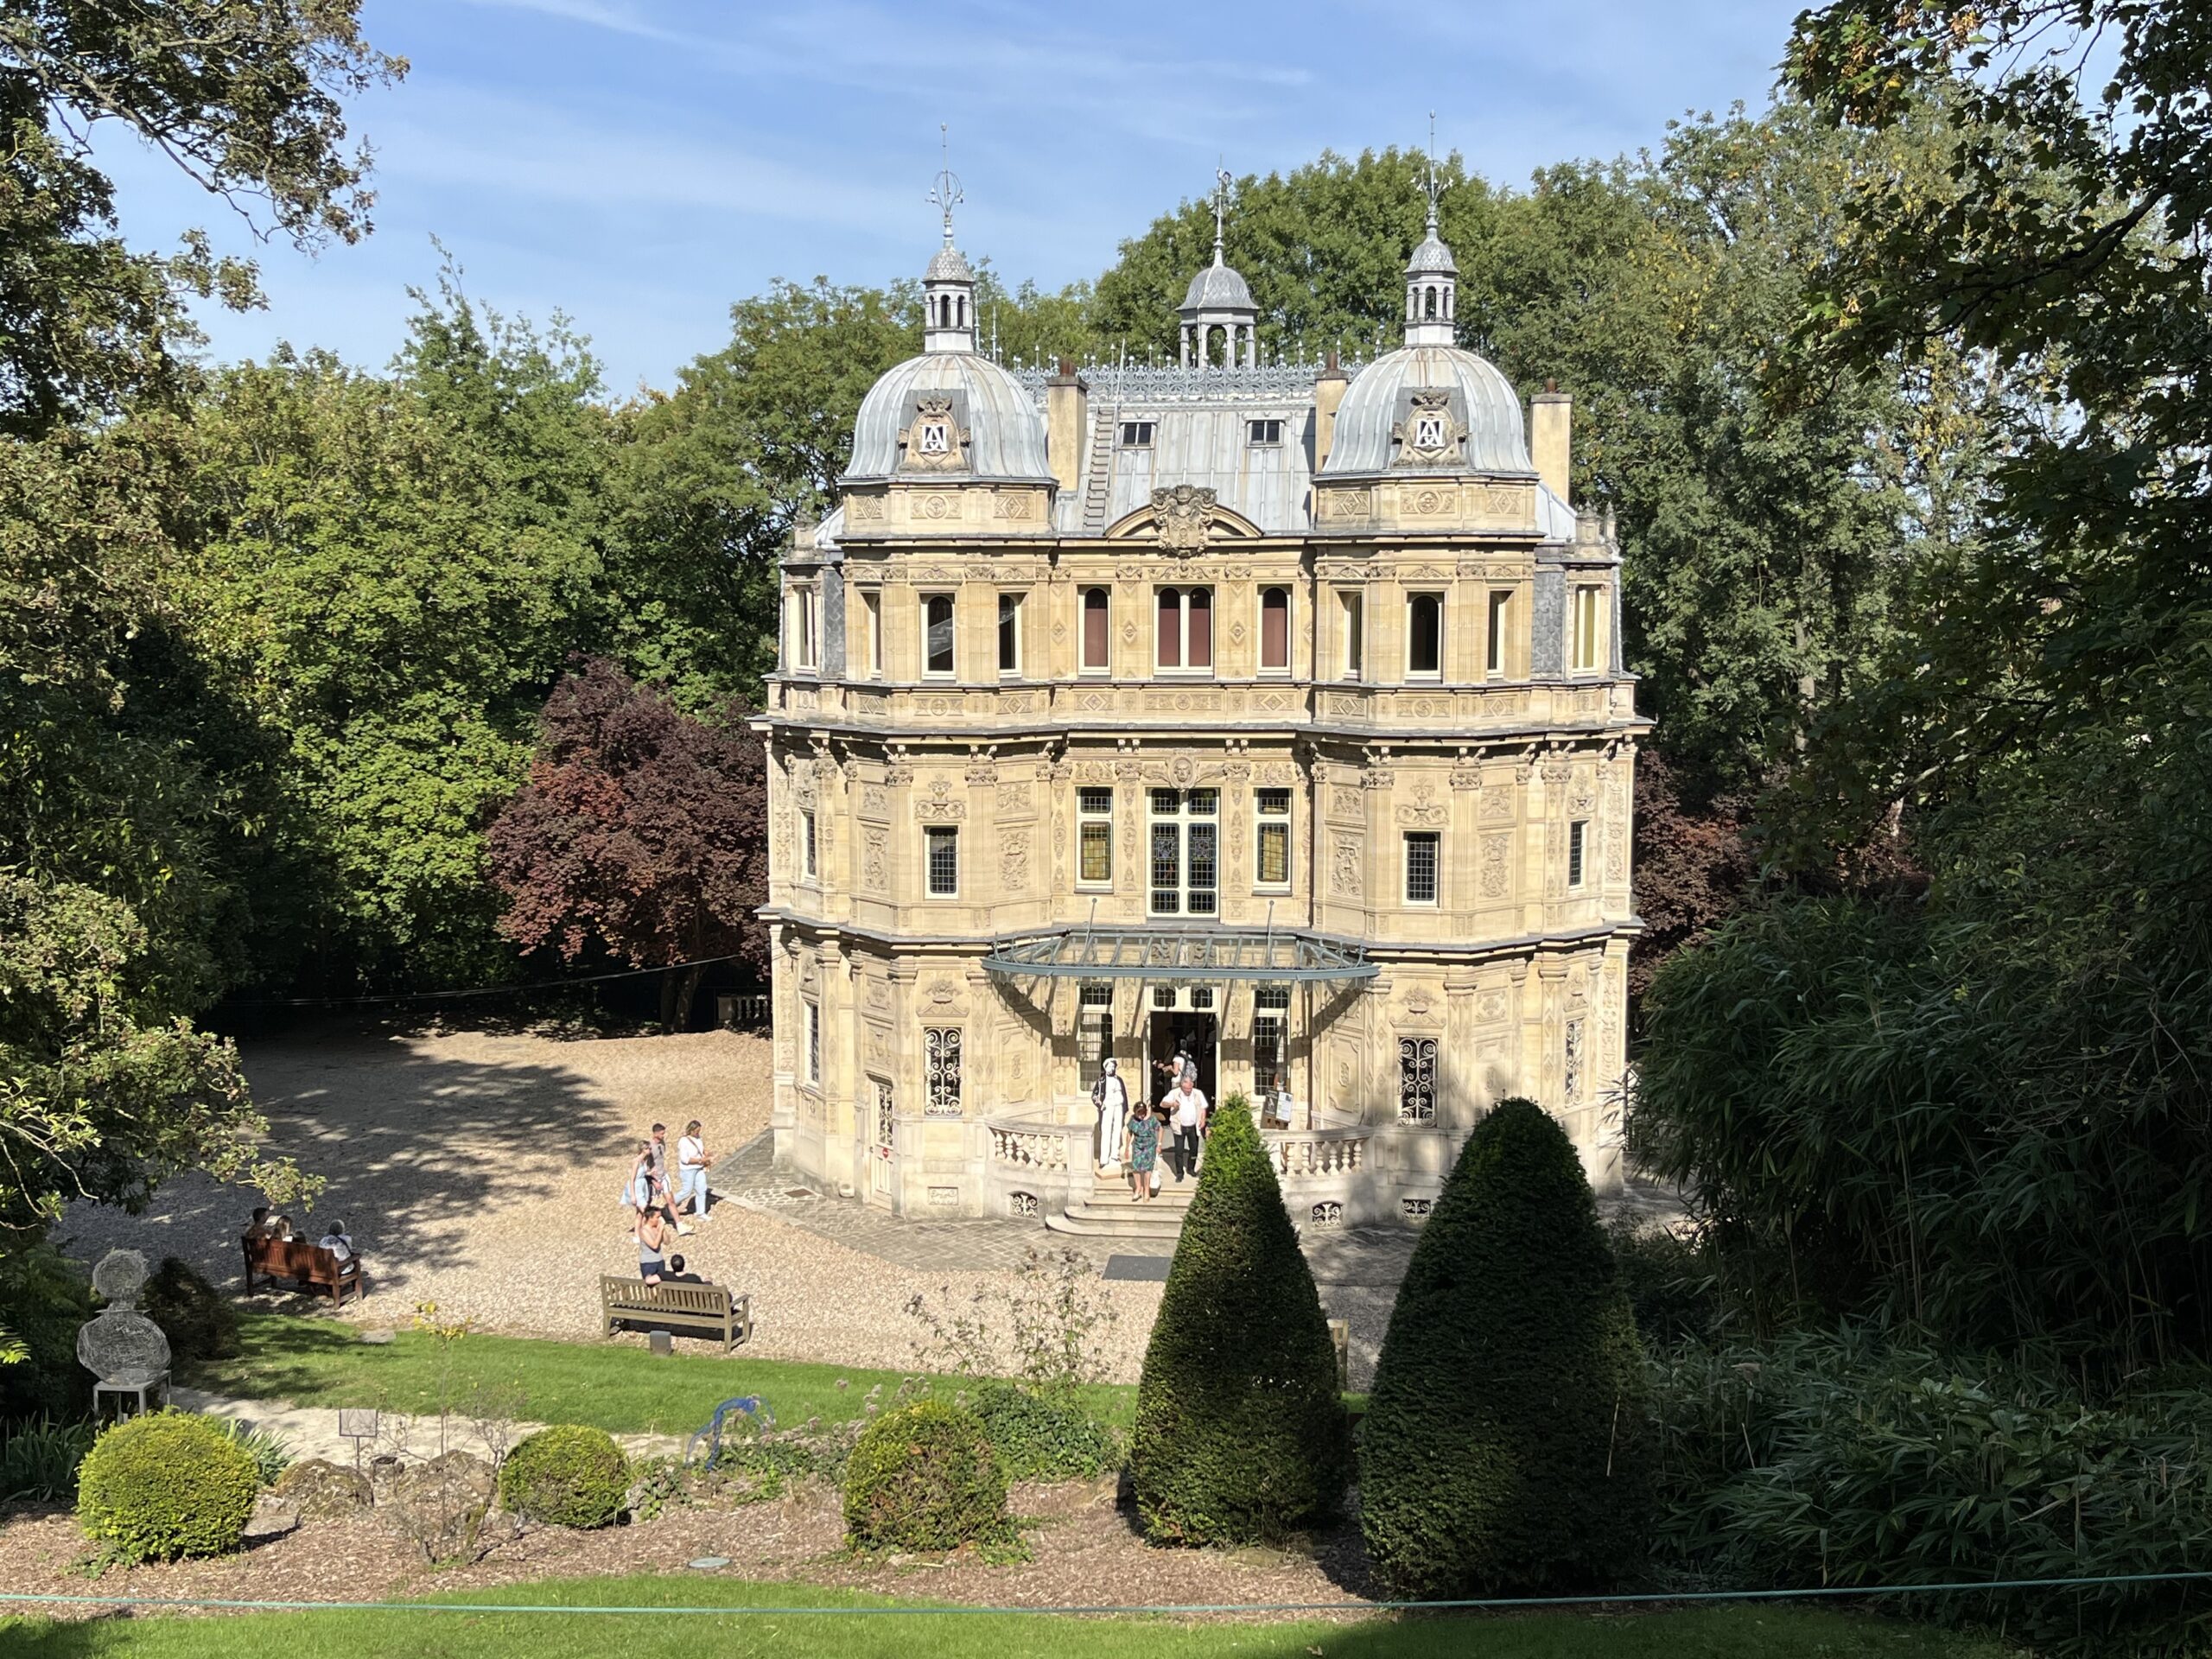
(1136, 435)
(1267, 432)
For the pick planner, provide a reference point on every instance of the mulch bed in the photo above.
(1084, 1549)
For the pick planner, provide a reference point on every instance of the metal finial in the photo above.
(1433, 187)
(944, 194)
(1222, 182)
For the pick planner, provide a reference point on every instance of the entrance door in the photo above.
(1173, 1032)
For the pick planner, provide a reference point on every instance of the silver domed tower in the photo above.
(1219, 297)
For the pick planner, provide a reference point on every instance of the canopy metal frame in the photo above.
(1265, 955)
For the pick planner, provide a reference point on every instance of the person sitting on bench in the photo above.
(679, 1273)
(337, 1241)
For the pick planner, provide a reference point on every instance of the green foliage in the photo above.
(39, 1458)
(1975, 1113)
(45, 1299)
(1241, 1434)
(925, 1477)
(566, 1476)
(1668, 1278)
(165, 1484)
(1503, 1451)
(1834, 1458)
(270, 1451)
(1043, 1436)
(199, 1323)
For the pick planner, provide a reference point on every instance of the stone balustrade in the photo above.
(1316, 1153)
(1034, 1146)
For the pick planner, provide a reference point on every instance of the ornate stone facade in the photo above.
(1206, 655)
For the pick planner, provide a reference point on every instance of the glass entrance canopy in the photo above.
(1273, 956)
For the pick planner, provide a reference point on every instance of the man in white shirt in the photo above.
(337, 1241)
(1188, 1103)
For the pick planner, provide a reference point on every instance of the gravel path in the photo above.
(484, 1171)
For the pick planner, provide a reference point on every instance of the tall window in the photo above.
(943, 848)
(1578, 834)
(1355, 619)
(1501, 602)
(1421, 866)
(1270, 1040)
(1271, 839)
(1186, 842)
(1097, 616)
(813, 1041)
(806, 843)
(805, 648)
(1425, 634)
(1094, 1032)
(1274, 629)
(940, 1072)
(887, 1116)
(1417, 1079)
(1094, 811)
(872, 603)
(1009, 634)
(1185, 629)
(1589, 627)
(937, 635)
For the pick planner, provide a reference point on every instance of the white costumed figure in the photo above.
(1109, 1098)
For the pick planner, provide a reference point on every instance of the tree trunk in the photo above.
(670, 982)
(679, 990)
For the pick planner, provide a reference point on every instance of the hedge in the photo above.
(925, 1477)
(1241, 1434)
(566, 1476)
(1506, 1448)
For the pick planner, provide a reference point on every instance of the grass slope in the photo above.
(1766, 1632)
(614, 1386)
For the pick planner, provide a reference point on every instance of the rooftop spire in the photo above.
(1431, 187)
(948, 286)
(1222, 182)
(945, 194)
(1432, 274)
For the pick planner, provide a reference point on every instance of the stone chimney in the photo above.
(1329, 390)
(1067, 422)
(1550, 417)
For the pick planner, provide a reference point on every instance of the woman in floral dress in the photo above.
(1143, 1150)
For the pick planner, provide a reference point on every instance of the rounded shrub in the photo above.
(199, 1323)
(1241, 1434)
(165, 1484)
(566, 1476)
(1507, 1442)
(925, 1477)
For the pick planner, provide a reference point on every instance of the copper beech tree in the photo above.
(641, 830)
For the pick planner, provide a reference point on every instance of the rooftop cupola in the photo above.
(1432, 275)
(948, 286)
(1219, 302)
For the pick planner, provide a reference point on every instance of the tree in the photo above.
(1505, 1449)
(641, 830)
(1240, 1432)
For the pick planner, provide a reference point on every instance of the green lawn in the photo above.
(614, 1386)
(1762, 1632)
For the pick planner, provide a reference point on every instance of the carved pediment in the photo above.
(1183, 520)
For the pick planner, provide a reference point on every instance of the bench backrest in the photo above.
(295, 1259)
(635, 1295)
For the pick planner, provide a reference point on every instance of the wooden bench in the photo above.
(309, 1266)
(680, 1310)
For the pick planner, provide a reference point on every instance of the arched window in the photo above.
(1199, 653)
(1097, 614)
(1183, 629)
(1169, 629)
(1428, 303)
(960, 311)
(1274, 627)
(936, 633)
(1425, 634)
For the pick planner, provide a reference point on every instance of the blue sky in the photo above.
(639, 164)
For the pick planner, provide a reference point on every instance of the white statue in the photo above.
(1109, 1098)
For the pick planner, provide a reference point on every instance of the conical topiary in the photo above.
(1241, 1434)
(1506, 1445)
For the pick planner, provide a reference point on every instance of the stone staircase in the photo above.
(1105, 1210)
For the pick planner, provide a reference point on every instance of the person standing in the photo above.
(664, 1191)
(652, 1237)
(1144, 1153)
(692, 1162)
(1188, 1103)
(1109, 1099)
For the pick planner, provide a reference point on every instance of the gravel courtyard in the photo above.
(484, 1172)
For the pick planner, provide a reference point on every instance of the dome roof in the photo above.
(949, 264)
(1219, 288)
(1431, 258)
(1006, 432)
(1496, 440)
